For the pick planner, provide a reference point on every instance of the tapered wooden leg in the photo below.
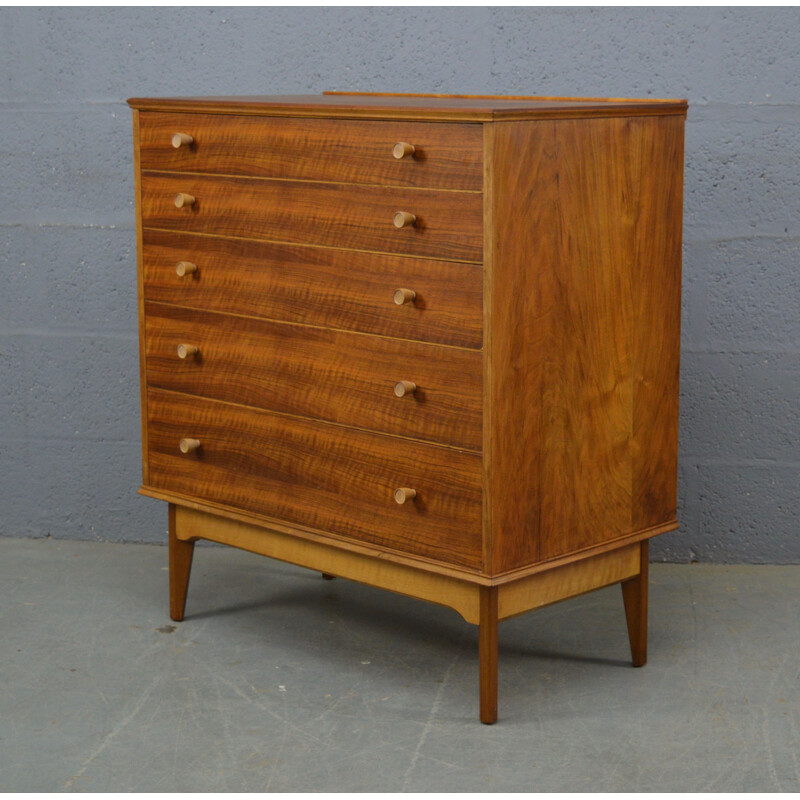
(180, 565)
(487, 654)
(634, 595)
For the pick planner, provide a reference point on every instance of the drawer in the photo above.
(318, 285)
(319, 476)
(448, 224)
(342, 377)
(446, 156)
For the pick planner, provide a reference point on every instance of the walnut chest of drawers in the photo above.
(428, 343)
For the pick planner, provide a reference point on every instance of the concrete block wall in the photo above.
(69, 449)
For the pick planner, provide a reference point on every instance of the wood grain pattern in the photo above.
(322, 476)
(487, 654)
(581, 451)
(634, 596)
(326, 537)
(318, 286)
(487, 451)
(657, 173)
(568, 580)
(455, 108)
(445, 156)
(449, 224)
(180, 567)
(412, 581)
(447, 367)
(315, 372)
(140, 280)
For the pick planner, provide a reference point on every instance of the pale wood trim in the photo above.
(137, 183)
(569, 580)
(462, 595)
(459, 595)
(589, 552)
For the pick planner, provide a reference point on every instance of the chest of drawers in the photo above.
(427, 343)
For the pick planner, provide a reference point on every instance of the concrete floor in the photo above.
(278, 680)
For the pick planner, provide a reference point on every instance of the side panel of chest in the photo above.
(584, 303)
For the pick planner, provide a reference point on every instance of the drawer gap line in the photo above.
(319, 421)
(399, 187)
(321, 246)
(312, 326)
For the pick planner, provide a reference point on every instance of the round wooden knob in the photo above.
(187, 445)
(404, 494)
(403, 150)
(185, 268)
(181, 140)
(186, 350)
(403, 296)
(402, 388)
(182, 199)
(401, 219)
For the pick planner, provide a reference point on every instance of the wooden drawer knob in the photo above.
(402, 388)
(404, 494)
(181, 140)
(185, 268)
(401, 219)
(403, 150)
(183, 200)
(403, 296)
(187, 445)
(186, 350)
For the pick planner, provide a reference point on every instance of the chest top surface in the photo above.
(464, 108)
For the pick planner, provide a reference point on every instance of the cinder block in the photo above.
(694, 270)
(759, 57)
(603, 52)
(748, 514)
(69, 167)
(740, 406)
(77, 279)
(83, 388)
(678, 546)
(87, 490)
(13, 397)
(252, 51)
(16, 22)
(752, 294)
(18, 495)
(741, 177)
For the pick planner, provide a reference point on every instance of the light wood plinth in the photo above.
(479, 604)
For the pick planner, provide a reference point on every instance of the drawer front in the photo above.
(321, 476)
(335, 376)
(448, 224)
(446, 156)
(318, 286)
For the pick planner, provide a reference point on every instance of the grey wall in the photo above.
(69, 449)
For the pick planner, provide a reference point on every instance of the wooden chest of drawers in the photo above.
(427, 343)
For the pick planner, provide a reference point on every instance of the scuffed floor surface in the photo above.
(278, 680)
